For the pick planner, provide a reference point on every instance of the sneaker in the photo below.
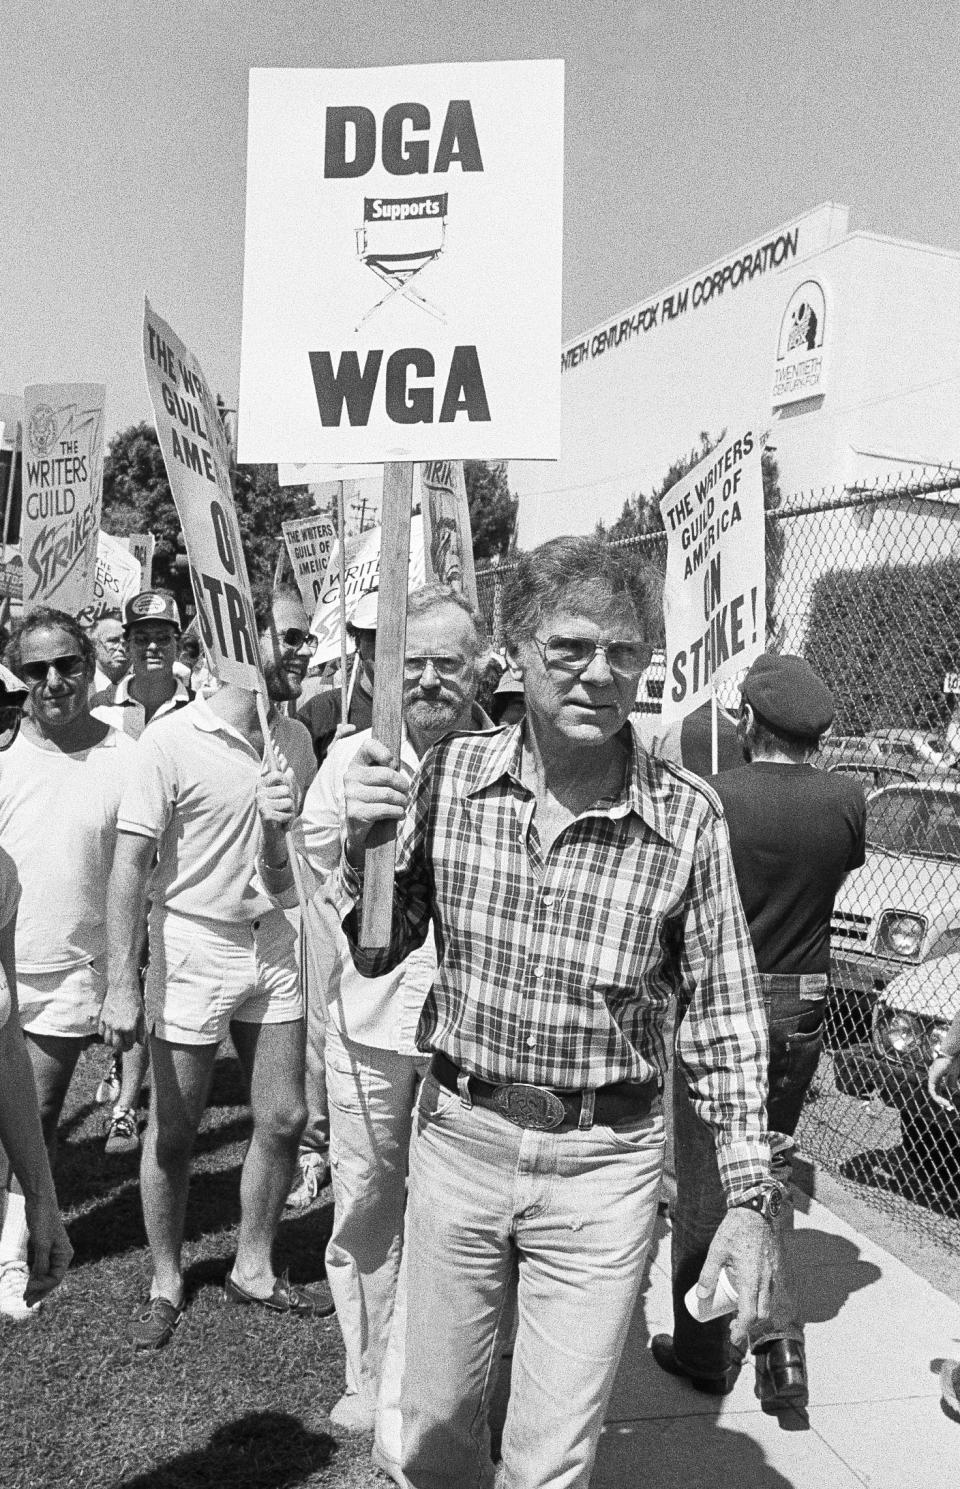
(153, 1326)
(314, 1173)
(123, 1134)
(109, 1088)
(14, 1276)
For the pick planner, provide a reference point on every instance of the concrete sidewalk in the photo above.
(876, 1335)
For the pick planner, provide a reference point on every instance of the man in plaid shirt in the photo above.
(575, 885)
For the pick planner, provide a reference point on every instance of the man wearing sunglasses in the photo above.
(60, 788)
(576, 886)
(148, 691)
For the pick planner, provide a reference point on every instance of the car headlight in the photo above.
(898, 1034)
(900, 935)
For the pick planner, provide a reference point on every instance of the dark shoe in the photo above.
(285, 1298)
(950, 1384)
(153, 1327)
(661, 1347)
(781, 1375)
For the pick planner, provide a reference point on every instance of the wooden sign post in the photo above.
(388, 690)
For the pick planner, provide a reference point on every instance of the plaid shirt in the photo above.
(558, 969)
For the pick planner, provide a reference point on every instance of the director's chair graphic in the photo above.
(399, 238)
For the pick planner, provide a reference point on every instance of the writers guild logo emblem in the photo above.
(42, 429)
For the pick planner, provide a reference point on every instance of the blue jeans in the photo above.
(569, 1216)
(795, 1015)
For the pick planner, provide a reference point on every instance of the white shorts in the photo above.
(204, 974)
(66, 1002)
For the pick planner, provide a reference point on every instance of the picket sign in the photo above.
(388, 692)
(197, 460)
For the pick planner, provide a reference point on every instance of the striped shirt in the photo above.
(558, 968)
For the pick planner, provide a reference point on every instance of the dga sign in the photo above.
(799, 371)
(401, 295)
(197, 459)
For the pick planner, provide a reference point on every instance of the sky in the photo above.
(691, 127)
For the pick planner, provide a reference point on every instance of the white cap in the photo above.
(364, 617)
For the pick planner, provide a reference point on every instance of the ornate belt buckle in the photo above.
(529, 1106)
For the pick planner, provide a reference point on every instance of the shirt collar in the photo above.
(645, 791)
(122, 694)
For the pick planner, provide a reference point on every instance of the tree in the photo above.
(137, 498)
(493, 510)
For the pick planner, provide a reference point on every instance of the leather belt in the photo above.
(547, 1110)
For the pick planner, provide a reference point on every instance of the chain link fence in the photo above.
(866, 585)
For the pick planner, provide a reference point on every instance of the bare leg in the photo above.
(181, 1080)
(133, 1068)
(272, 1058)
(53, 1058)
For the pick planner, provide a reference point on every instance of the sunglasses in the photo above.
(140, 637)
(66, 667)
(10, 717)
(295, 639)
(575, 653)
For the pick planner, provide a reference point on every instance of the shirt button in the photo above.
(548, 899)
(538, 970)
(531, 1041)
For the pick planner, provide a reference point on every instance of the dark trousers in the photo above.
(795, 1015)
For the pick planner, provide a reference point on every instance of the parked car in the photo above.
(882, 757)
(910, 1019)
(895, 946)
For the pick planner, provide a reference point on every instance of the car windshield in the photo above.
(924, 824)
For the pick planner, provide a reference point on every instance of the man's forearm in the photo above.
(126, 896)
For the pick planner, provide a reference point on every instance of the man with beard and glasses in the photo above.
(60, 789)
(372, 1061)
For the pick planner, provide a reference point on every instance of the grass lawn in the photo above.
(238, 1400)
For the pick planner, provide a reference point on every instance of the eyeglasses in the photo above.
(575, 653)
(10, 717)
(445, 667)
(294, 639)
(140, 637)
(67, 667)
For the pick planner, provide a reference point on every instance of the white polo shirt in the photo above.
(128, 714)
(192, 788)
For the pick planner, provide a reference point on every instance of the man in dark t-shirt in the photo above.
(795, 832)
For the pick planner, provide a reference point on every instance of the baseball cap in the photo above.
(786, 692)
(152, 604)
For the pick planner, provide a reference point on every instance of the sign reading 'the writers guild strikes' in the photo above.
(62, 488)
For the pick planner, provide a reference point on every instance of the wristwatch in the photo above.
(766, 1199)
